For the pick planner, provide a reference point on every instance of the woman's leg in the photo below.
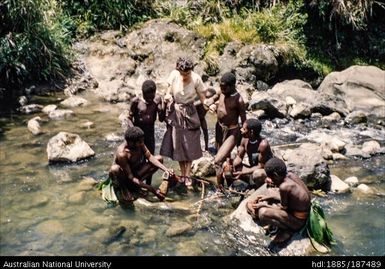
(182, 165)
(188, 168)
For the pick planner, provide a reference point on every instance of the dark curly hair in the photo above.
(148, 86)
(255, 125)
(184, 64)
(133, 134)
(228, 79)
(275, 165)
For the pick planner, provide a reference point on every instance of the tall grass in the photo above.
(33, 43)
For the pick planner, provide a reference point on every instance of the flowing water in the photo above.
(46, 210)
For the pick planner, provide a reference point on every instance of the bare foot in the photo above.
(187, 181)
(281, 237)
(251, 209)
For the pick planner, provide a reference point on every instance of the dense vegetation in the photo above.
(318, 36)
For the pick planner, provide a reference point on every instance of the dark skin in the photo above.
(252, 142)
(230, 107)
(145, 112)
(129, 169)
(202, 116)
(277, 209)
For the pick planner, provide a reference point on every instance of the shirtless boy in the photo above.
(289, 209)
(210, 93)
(133, 163)
(143, 112)
(227, 131)
(258, 151)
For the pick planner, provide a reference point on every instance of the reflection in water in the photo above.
(50, 210)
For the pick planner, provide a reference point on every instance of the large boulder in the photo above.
(307, 162)
(296, 246)
(359, 88)
(147, 53)
(68, 147)
(296, 99)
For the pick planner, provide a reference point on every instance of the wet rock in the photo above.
(36, 201)
(87, 183)
(47, 109)
(371, 147)
(50, 228)
(169, 207)
(77, 198)
(261, 59)
(339, 156)
(149, 236)
(115, 235)
(352, 181)
(87, 124)
(189, 248)
(257, 114)
(272, 106)
(32, 108)
(74, 101)
(355, 151)
(68, 147)
(113, 138)
(356, 117)
(23, 100)
(327, 142)
(361, 89)
(296, 246)
(34, 126)
(338, 186)
(306, 161)
(330, 119)
(363, 188)
(178, 228)
(300, 111)
(60, 114)
(203, 167)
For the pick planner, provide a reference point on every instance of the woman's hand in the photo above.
(168, 98)
(213, 108)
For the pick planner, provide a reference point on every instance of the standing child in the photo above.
(230, 108)
(143, 112)
(210, 93)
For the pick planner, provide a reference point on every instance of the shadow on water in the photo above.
(51, 210)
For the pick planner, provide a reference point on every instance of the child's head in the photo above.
(134, 135)
(227, 83)
(251, 127)
(210, 92)
(275, 170)
(148, 90)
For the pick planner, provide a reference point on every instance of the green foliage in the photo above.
(318, 230)
(95, 15)
(32, 45)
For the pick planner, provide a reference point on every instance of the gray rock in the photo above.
(178, 228)
(68, 147)
(338, 186)
(296, 246)
(306, 161)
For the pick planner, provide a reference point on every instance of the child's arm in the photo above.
(161, 108)
(240, 154)
(133, 111)
(241, 109)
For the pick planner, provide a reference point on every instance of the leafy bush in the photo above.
(94, 15)
(32, 45)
